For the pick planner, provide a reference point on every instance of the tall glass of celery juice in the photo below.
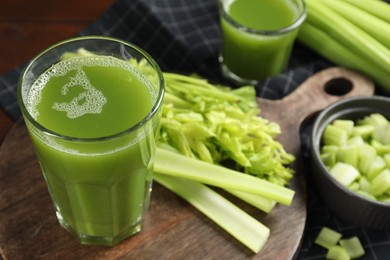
(92, 108)
(257, 37)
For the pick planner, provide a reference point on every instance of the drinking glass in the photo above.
(94, 140)
(255, 44)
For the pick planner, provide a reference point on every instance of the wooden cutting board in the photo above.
(172, 229)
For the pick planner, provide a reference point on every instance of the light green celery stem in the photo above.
(257, 201)
(330, 48)
(174, 164)
(379, 8)
(188, 79)
(231, 218)
(371, 24)
(185, 87)
(347, 33)
(176, 101)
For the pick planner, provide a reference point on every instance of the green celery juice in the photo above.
(254, 46)
(98, 188)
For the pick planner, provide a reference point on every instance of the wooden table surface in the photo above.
(28, 27)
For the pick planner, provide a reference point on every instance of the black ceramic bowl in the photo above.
(345, 203)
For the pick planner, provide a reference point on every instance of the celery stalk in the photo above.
(378, 8)
(174, 164)
(371, 24)
(352, 36)
(231, 218)
(257, 201)
(326, 45)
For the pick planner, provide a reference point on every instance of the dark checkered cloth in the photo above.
(184, 36)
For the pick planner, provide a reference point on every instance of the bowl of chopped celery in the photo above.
(350, 150)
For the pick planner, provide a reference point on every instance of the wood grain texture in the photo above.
(172, 229)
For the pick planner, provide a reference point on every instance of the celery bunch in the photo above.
(350, 33)
(216, 123)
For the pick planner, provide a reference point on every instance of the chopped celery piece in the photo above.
(344, 124)
(381, 183)
(353, 246)
(337, 253)
(327, 237)
(386, 157)
(174, 164)
(329, 159)
(349, 155)
(334, 136)
(376, 167)
(356, 140)
(380, 148)
(374, 120)
(344, 173)
(382, 134)
(354, 186)
(365, 185)
(329, 148)
(235, 221)
(364, 131)
(367, 155)
(366, 194)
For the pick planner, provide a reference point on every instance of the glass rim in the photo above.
(155, 108)
(300, 19)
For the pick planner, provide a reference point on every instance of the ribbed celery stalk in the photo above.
(235, 221)
(379, 8)
(376, 27)
(174, 164)
(257, 201)
(348, 34)
(332, 49)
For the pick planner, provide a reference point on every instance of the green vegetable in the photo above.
(327, 238)
(337, 253)
(238, 223)
(376, 27)
(379, 8)
(353, 246)
(344, 173)
(177, 165)
(360, 162)
(217, 124)
(329, 33)
(339, 248)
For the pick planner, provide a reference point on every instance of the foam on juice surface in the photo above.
(91, 100)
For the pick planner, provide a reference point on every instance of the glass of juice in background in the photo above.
(257, 37)
(92, 106)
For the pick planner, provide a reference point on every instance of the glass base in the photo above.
(101, 241)
(234, 78)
